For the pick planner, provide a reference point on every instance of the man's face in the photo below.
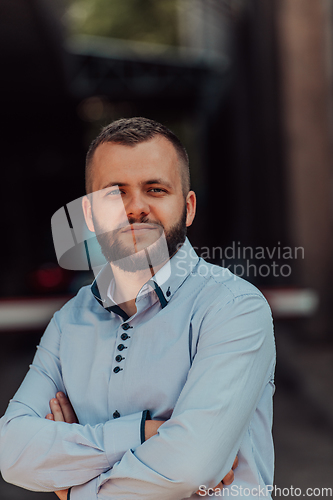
(138, 203)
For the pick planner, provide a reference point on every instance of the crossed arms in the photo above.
(42, 455)
(62, 411)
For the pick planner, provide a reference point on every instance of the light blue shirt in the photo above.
(199, 353)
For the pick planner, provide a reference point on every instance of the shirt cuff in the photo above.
(122, 434)
(86, 491)
(145, 416)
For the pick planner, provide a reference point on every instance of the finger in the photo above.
(67, 409)
(203, 493)
(56, 410)
(49, 416)
(235, 464)
(62, 494)
(218, 487)
(228, 479)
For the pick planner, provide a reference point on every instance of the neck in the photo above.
(128, 285)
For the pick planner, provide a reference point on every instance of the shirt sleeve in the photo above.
(234, 362)
(42, 455)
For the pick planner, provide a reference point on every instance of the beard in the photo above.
(128, 258)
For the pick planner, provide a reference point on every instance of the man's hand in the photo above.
(62, 494)
(228, 479)
(151, 428)
(62, 411)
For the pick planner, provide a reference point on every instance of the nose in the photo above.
(137, 207)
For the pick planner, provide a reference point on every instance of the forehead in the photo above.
(156, 158)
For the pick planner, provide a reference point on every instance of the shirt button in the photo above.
(120, 347)
(117, 369)
(116, 414)
(119, 358)
(124, 336)
(126, 326)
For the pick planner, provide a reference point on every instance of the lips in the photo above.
(139, 227)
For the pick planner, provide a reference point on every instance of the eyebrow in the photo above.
(148, 182)
(159, 181)
(110, 184)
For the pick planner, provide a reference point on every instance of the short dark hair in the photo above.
(132, 131)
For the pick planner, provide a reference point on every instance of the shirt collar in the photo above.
(173, 274)
(165, 282)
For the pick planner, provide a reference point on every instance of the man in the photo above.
(160, 335)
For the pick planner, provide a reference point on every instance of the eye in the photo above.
(157, 190)
(114, 192)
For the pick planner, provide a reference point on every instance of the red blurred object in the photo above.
(50, 278)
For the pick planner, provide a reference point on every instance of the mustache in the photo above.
(130, 221)
(135, 224)
(144, 220)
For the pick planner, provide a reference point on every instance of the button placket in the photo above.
(121, 347)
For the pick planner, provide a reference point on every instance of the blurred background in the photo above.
(247, 86)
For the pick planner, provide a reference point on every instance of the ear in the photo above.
(191, 204)
(87, 211)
